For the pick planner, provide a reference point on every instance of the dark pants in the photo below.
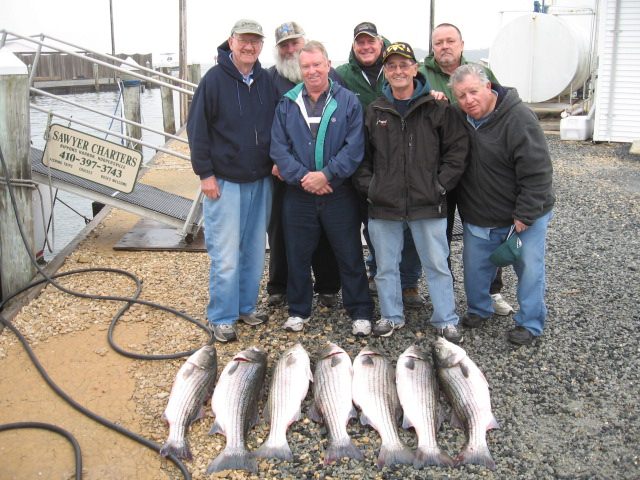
(323, 261)
(304, 217)
(452, 203)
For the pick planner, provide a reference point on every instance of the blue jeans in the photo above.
(305, 216)
(479, 272)
(410, 267)
(235, 226)
(430, 239)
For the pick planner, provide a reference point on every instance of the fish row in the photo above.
(379, 389)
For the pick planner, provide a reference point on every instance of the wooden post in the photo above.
(96, 76)
(168, 114)
(194, 77)
(131, 102)
(182, 57)
(16, 269)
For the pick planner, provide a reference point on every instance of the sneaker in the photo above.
(471, 320)
(411, 298)
(295, 324)
(254, 318)
(520, 336)
(451, 333)
(276, 299)
(385, 327)
(328, 300)
(373, 290)
(500, 306)
(225, 332)
(361, 327)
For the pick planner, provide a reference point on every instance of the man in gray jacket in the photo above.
(508, 183)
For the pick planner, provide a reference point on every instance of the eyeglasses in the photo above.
(254, 42)
(404, 66)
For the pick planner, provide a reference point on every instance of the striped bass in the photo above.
(374, 392)
(289, 387)
(332, 402)
(235, 406)
(191, 388)
(468, 391)
(418, 393)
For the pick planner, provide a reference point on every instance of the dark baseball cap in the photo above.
(365, 27)
(399, 48)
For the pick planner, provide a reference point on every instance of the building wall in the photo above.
(617, 114)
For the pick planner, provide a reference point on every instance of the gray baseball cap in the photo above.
(247, 26)
(288, 30)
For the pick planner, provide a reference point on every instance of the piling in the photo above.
(131, 102)
(168, 114)
(16, 269)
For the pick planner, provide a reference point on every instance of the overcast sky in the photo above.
(151, 26)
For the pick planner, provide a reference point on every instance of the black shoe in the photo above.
(471, 320)
(276, 299)
(520, 336)
(451, 333)
(328, 300)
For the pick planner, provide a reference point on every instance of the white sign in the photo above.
(92, 158)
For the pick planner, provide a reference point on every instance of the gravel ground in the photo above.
(567, 406)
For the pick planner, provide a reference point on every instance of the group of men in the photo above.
(310, 154)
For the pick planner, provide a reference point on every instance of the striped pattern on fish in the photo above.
(235, 406)
(191, 388)
(374, 392)
(468, 391)
(289, 387)
(332, 402)
(418, 393)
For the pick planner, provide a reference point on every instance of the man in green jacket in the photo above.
(447, 45)
(363, 76)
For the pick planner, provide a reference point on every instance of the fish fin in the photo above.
(271, 449)
(493, 423)
(266, 413)
(233, 459)
(367, 360)
(364, 420)
(164, 418)
(425, 457)
(178, 449)
(202, 412)
(464, 369)
(314, 414)
(455, 420)
(353, 413)
(337, 450)
(308, 373)
(398, 454)
(406, 423)
(410, 363)
(216, 428)
(479, 455)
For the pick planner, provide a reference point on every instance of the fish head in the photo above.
(411, 356)
(204, 358)
(333, 353)
(296, 354)
(251, 354)
(447, 354)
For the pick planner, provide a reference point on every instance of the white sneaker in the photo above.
(500, 306)
(295, 324)
(361, 327)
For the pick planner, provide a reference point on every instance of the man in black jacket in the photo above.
(416, 151)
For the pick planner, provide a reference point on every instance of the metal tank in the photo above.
(544, 55)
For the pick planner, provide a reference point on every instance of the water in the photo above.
(68, 223)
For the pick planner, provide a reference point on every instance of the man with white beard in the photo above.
(285, 74)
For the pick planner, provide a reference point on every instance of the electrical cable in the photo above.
(128, 302)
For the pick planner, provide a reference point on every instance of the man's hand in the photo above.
(520, 227)
(275, 171)
(438, 95)
(209, 187)
(316, 183)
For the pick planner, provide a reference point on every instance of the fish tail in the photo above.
(394, 455)
(274, 449)
(425, 457)
(476, 455)
(178, 449)
(233, 459)
(337, 450)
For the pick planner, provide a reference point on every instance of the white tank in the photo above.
(541, 55)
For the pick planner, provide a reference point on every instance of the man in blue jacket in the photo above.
(229, 129)
(317, 142)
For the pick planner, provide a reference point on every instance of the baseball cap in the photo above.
(509, 251)
(287, 31)
(399, 48)
(365, 27)
(247, 26)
